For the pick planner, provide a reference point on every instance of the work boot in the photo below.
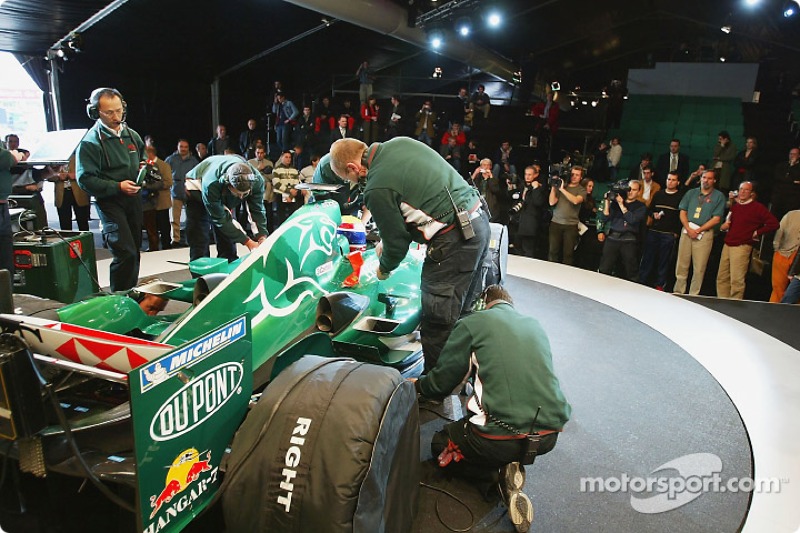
(520, 508)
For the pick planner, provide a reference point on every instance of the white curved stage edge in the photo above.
(759, 373)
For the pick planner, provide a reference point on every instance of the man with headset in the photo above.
(108, 160)
(516, 392)
(214, 189)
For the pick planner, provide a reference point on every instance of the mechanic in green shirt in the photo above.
(214, 189)
(414, 195)
(507, 355)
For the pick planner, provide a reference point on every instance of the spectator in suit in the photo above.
(397, 119)
(202, 151)
(786, 185)
(637, 172)
(744, 166)
(672, 160)
(221, 142)
(248, 139)
(341, 131)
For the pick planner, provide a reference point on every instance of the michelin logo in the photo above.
(155, 372)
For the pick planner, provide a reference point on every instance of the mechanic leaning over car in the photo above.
(214, 189)
(349, 197)
(108, 160)
(415, 195)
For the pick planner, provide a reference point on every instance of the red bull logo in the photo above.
(184, 470)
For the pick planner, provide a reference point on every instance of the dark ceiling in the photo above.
(164, 55)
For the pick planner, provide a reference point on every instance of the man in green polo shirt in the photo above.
(701, 210)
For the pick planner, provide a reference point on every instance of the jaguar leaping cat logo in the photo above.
(298, 245)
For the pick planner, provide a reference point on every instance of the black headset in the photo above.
(94, 100)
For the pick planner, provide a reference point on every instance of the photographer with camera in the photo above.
(529, 201)
(426, 119)
(566, 198)
(624, 216)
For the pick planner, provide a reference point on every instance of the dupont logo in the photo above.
(678, 482)
(197, 401)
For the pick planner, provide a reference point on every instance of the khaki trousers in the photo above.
(733, 266)
(694, 253)
(177, 209)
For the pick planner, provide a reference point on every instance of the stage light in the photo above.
(464, 26)
(721, 59)
(436, 38)
(791, 8)
(437, 72)
(752, 3)
(726, 29)
(494, 19)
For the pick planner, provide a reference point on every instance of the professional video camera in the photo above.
(559, 173)
(620, 187)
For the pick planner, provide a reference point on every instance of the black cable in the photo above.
(78, 255)
(458, 500)
(62, 419)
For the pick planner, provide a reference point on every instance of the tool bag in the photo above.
(332, 445)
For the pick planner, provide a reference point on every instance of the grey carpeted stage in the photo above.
(639, 401)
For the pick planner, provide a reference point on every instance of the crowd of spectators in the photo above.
(647, 233)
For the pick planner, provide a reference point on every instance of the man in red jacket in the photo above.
(747, 220)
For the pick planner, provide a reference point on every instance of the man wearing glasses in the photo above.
(108, 160)
(214, 189)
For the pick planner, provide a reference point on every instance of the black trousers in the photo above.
(121, 216)
(482, 457)
(199, 228)
(159, 230)
(6, 240)
(68, 205)
(628, 251)
(451, 280)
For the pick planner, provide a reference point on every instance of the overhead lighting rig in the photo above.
(444, 11)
